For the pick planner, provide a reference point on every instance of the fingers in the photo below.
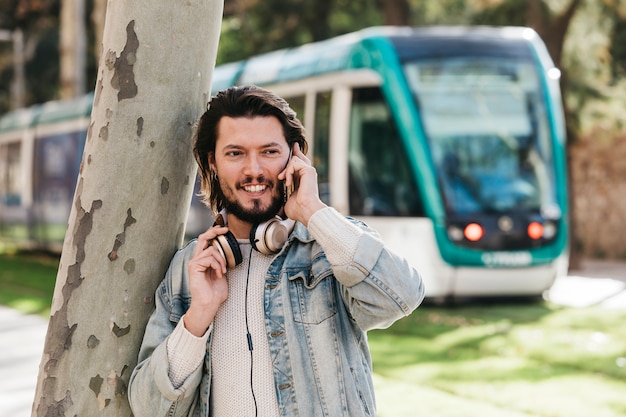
(210, 259)
(204, 240)
(296, 167)
(298, 153)
(206, 256)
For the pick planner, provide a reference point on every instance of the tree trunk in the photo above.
(396, 12)
(98, 15)
(72, 49)
(131, 201)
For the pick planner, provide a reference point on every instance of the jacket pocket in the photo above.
(313, 293)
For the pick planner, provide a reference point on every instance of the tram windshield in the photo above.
(488, 133)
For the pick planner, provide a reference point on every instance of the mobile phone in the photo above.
(288, 190)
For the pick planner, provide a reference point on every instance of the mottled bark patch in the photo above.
(121, 237)
(120, 331)
(129, 266)
(104, 132)
(92, 342)
(114, 385)
(60, 332)
(165, 186)
(58, 408)
(90, 130)
(95, 384)
(124, 77)
(139, 126)
(117, 381)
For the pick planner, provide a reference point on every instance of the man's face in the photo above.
(249, 155)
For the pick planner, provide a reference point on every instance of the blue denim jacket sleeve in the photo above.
(150, 390)
(379, 287)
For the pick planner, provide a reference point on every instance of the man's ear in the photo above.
(211, 161)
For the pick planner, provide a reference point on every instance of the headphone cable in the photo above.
(249, 337)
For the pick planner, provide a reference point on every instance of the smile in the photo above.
(255, 188)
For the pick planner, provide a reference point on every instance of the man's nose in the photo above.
(252, 165)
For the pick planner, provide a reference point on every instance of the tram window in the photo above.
(57, 162)
(381, 182)
(488, 133)
(10, 178)
(321, 137)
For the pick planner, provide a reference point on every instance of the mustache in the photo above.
(259, 180)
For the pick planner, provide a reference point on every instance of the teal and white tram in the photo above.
(448, 140)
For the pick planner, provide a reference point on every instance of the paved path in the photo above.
(595, 283)
(21, 344)
(22, 336)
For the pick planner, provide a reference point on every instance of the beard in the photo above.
(256, 214)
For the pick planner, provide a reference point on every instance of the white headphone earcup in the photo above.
(270, 237)
(228, 247)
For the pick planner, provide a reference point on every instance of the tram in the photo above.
(450, 141)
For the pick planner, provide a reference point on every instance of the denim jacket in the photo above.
(316, 319)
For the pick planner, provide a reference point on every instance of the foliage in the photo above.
(510, 13)
(263, 26)
(27, 14)
(39, 21)
(618, 49)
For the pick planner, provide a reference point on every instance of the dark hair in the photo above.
(240, 101)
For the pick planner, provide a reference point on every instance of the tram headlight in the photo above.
(554, 73)
(549, 230)
(535, 230)
(455, 233)
(473, 232)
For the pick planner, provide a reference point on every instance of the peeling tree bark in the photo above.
(131, 200)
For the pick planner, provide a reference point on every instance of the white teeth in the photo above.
(254, 188)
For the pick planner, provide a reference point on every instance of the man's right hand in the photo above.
(207, 282)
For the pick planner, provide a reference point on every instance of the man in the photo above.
(242, 332)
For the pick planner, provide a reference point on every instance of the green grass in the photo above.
(501, 360)
(27, 282)
(480, 359)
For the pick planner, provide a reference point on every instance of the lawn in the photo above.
(27, 282)
(502, 359)
(477, 359)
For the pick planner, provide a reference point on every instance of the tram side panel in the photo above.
(35, 216)
(56, 165)
(13, 216)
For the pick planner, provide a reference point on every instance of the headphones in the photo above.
(267, 237)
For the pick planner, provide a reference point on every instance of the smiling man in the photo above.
(266, 313)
